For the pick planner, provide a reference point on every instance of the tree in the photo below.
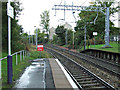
(41, 36)
(45, 22)
(85, 17)
(60, 31)
(16, 29)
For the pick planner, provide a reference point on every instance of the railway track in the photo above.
(84, 78)
(99, 63)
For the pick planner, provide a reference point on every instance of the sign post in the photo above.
(9, 57)
(94, 33)
(40, 48)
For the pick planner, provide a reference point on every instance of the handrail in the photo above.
(12, 55)
(3, 58)
(9, 63)
(17, 52)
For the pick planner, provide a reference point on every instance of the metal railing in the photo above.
(22, 55)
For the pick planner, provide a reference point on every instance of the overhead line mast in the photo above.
(90, 8)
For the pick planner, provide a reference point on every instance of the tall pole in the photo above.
(9, 34)
(64, 10)
(73, 39)
(29, 37)
(0, 45)
(9, 57)
(32, 39)
(107, 28)
(85, 37)
(66, 36)
(36, 38)
(94, 41)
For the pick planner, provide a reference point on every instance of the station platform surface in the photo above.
(45, 73)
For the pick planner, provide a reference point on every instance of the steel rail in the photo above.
(108, 67)
(108, 86)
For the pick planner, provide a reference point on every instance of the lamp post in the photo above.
(85, 37)
(29, 37)
(36, 37)
(66, 37)
(32, 39)
(73, 39)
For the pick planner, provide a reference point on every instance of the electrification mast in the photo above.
(90, 8)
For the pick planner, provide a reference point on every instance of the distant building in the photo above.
(52, 33)
(67, 26)
(115, 38)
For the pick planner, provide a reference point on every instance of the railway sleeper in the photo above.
(91, 85)
(79, 75)
(97, 88)
(92, 81)
(82, 76)
(79, 72)
(85, 79)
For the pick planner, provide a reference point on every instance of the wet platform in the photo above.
(45, 73)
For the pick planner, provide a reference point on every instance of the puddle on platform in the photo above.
(31, 71)
(24, 79)
(37, 60)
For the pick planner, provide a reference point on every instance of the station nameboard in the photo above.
(10, 11)
(39, 47)
(94, 33)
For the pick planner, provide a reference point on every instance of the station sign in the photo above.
(94, 33)
(39, 47)
(10, 11)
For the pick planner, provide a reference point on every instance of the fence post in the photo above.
(23, 54)
(0, 73)
(9, 67)
(20, 56)
(16, 59)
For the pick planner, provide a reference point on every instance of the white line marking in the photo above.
(67, 75)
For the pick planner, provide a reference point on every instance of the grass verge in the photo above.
(114, 45)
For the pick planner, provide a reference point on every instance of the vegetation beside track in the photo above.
(114, 45)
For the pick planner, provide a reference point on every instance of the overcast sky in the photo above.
(33, 8)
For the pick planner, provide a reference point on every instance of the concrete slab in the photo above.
(36, 76)
(60, 79)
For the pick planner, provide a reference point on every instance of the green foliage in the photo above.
(37, 54)
(86, 17)
(16, 29)
(79, 37)
(60, 31)
(45, 21)
(115, 47)
(55, 39)
(41, 37)
(70, 38)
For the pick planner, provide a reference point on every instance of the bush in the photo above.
(97, 41)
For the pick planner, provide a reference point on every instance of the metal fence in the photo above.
(18, 57)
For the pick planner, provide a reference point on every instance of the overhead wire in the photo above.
(83, 2)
